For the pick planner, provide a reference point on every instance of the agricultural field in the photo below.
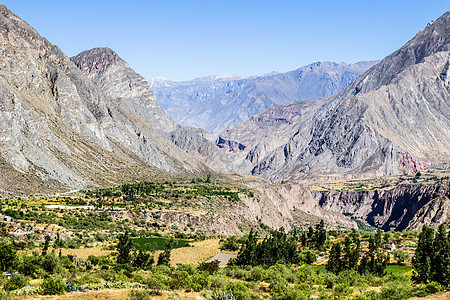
(430, 176)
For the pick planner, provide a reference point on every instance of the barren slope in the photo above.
(394, 119)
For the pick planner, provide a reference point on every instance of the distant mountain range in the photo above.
(394, 119)
(216, 103)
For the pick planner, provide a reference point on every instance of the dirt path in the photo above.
(223, 258)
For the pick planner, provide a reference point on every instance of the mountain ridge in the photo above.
(60, 131)
(121, 83)
(216, 102)
(373, 127)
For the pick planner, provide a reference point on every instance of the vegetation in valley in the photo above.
(89, 243)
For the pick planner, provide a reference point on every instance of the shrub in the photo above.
(230, 244)
(433, 287)
(396, 290)
(239, 290)
(210, 267)
(222, 295)
(53, 286)
(400, 256)
(308, 256)
(139, 295)
(50, 263)
(256, 274)
(157, 283)
(16, 282)
(342, 290)
(218, 282)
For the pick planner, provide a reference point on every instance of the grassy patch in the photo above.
(398, 269)
(156, 243)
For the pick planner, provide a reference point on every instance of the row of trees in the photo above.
(315, 237)
(432, 258)
(278, 248)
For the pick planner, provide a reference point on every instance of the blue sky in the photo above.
(182, 40)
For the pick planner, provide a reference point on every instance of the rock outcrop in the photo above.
(123, 85)
(394, 119)
(59, 129)
(216, 103)
(403, 207)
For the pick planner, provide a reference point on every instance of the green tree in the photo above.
(335, 261)
(124, 248)
(7, 255)
(320, 235)
(377, 260)
(440, 257)
(46, 245)
(247, 253)
(351, 253)
(422, 259)
(53, 286)
(164, 257)
(143, 260)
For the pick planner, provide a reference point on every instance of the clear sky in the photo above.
(182, 40)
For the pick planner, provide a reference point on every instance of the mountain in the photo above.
(394, 119)
(218, 102)
(117, 80)
(59, 130)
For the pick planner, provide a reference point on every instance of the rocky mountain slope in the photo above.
(394, 119)
(217, 102)
(58, 129)
(117, 80)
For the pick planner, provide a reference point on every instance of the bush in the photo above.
(53, 286)
(230, 244)
(280, 290)
(222, 295)
(157, 283)
(256, 274)
(139, 295)
(210, 267)
(239, 290)
(433, 287)
(342, 290)
(308, 256)
(400, 256)
(16, 282)
(396, 291)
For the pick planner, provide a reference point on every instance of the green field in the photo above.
(156, 243)
(398, 269)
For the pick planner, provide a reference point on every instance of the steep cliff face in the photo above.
(119, 82)
(394, 119)
(403, 207)
(58, 127)
(216, 103)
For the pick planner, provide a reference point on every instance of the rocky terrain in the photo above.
(394, 119)
(216, 103)
(59, 130)
(91, 121)
(123, 85)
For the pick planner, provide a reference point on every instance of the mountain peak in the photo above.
(96, 60)
(435, 37)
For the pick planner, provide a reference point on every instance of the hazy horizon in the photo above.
(183, 40)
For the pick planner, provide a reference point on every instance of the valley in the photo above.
(331, 181)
